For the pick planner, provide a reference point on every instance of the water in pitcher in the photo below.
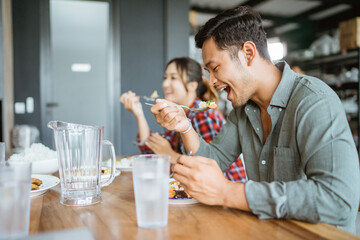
(82, 185)
(151, 196)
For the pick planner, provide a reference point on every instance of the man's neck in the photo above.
(268, 77)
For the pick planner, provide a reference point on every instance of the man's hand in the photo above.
(160, 145)
(132, 103)
(171, 118)
(202, 179)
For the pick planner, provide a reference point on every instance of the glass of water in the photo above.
(15, 186)
(2, 153)
(151, 187)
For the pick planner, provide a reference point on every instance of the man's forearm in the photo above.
(234, 196)
(191, 141)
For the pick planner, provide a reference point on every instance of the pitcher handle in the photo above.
(113, 162)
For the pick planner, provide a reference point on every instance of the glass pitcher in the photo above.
(79, 150)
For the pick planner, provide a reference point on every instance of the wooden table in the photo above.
(115, 218)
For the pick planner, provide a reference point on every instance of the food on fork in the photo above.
(35, 183)
(154, 95)
(207, 104)
(177, 191)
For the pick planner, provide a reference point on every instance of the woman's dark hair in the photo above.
(231, 28)
(190, 70)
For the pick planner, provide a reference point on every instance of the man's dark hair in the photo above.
(231, 28)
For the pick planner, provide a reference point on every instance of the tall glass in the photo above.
(151, 187)
(79, 150)
(2, 153)
(15, 186)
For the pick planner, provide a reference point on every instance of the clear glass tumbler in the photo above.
(2, 153)
(151, 187)
(15, 187)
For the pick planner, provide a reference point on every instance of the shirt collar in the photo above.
(283, 91)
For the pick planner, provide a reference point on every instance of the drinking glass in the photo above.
(15, 187)
(2, 153)
(151, 188)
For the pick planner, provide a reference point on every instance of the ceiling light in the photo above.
(267, 23)
(217, 4)
(285, 8)
(329, 12)
(286, 28)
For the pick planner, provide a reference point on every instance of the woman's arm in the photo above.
(132, 103)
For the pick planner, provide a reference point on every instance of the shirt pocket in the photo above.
(286, 165)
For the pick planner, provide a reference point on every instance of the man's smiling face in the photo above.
(228, 73)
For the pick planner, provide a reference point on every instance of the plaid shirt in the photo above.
(207, 124)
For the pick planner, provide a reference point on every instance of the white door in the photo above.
(79, 33)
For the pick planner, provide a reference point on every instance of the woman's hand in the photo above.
(132, 103)
(160, 145)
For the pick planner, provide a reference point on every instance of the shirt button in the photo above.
(263, 162)
(247, 109)
(257, 129)
(280, 109)
(254, 110)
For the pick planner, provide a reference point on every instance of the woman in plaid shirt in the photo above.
(184, 85)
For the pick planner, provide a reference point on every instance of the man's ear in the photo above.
(192, 86)
(249, 51)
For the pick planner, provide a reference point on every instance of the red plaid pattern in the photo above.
(236, 171)
(207, 124)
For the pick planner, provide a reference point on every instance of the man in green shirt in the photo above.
(299, 153)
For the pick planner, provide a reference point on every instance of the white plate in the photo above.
(123, 167)
(181, 200)
(125, 164)
(48, 182)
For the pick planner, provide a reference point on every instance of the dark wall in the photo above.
(1, 74)
(26, 43)
(142, 60)
(1, 57)
(177, 28)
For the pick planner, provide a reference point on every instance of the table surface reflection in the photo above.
(115, 218)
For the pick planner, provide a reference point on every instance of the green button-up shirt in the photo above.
(308, 168)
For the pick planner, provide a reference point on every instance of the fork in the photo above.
(183, 106)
